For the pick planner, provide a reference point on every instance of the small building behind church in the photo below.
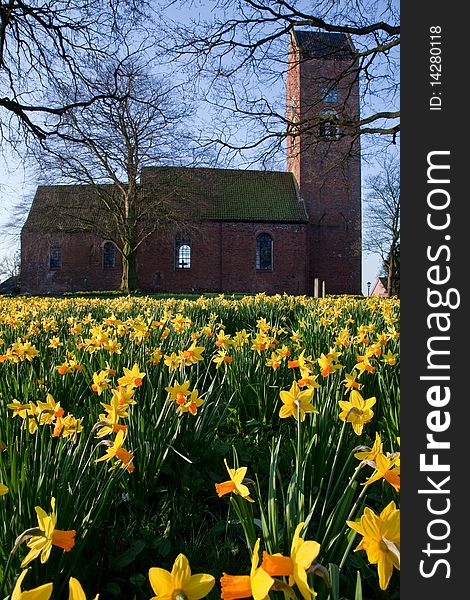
(258, 231)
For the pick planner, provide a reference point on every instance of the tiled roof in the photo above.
(212, 194)
(235, 195)
(319, 44)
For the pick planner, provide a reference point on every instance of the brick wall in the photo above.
(327, 171)
(222, 259)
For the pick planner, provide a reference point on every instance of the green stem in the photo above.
(335, 460)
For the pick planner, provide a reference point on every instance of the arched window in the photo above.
(182, 252)
(109, 255)
(264, 252)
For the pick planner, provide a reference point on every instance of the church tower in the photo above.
(322, 97)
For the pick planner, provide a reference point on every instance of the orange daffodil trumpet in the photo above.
(357, 411)
(49, 536)
(302, 554)
(235, 484)
(179, 584)
(256, 584)
(381, 540)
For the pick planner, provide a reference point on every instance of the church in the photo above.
(296, 231)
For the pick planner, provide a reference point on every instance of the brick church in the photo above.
(296, 231)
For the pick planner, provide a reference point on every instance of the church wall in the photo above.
(81, 264)
(223, 259)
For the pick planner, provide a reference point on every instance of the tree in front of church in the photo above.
(382, 221)
(106, 145)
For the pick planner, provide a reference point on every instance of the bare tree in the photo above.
(382, 221)
(47, 42)
(10, 265)
(241, 53)
(106, 146)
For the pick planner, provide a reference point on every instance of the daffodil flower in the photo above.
(357, 411)
(3, 489)
(115, 449)
(235, 484)
(303, 553)
(132, 377)
(297, 403)
(42, 544)
(43, 592)
(381, 540)
(256, 584)
(179, 584)
(370, 454)
(387, 467)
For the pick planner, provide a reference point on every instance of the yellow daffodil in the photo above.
(303, 553)
(100, 382)
(49, 411)
(389, 358)
(328, 365)
(76, 591)
(132, 377)
(357, 411)
(275, 361)
(179, 584)
(3, 489)
(43, 592)
(221, 357)
(381, 540)
(256, 584)
(350, 382)
(115, 449)
(50, 536)
(192, 355)
(297, 403)
(172, 361)
(179, 391)
(370, 454)
(235, 484)
(191, 405)
(387, 467)
(68, 427)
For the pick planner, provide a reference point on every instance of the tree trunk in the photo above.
(391, 266)
(129, 280)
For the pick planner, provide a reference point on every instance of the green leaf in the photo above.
(358, 594)
(129, 555)
(334, 578)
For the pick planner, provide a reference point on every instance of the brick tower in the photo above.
(322, 95)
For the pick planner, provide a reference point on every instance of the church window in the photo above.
(329, 94)
(109, 255)
(55, 258)
(182, 252)
(264, 252)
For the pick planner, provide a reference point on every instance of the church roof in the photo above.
(210, 194)
(320, 44)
